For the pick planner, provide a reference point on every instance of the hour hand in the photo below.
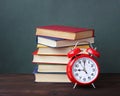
(85, 71)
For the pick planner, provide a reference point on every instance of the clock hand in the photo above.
(84, 61)
(81, 64)
(84, 69)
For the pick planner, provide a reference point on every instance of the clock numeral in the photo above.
(93, 70)
(76, 74)
(76, 65)
(79, 62)
(92, 65)
(80, 77)
(75, 70)
(84, 79)
(92, 74)
(84, 60)
(89, 77)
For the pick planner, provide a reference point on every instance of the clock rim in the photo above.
(70, 65)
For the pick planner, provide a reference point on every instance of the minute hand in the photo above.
(84, 62)
(83, 66)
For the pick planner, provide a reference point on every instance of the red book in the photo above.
(65, 32)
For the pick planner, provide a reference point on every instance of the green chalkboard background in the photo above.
(19, 18)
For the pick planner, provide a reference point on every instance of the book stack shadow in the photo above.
(53, 44)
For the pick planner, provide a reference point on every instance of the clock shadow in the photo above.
(97, 86)
(84, 87)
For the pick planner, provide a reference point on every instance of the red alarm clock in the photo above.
(82, 68)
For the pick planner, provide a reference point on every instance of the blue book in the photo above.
(58, 42)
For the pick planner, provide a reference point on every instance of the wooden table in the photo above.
(24, 85)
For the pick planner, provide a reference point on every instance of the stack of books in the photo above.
(53, 44)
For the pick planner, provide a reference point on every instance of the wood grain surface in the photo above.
(24, 85)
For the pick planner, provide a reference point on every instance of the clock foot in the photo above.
(74, 85)
(93, 85)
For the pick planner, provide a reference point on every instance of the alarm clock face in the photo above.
(85, 70)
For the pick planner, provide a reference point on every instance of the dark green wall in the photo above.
(19, 18)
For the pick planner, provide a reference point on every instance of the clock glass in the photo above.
(85, 70)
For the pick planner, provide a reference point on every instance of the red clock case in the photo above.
(72, 61)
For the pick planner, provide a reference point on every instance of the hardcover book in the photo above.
(51, 68)
(65, 32)
(59, 77)
(61, 51)
(44, 59)
(58, 42)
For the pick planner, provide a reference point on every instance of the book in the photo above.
(65, 32)
(51, 77)
(58, 42)
(61, 51)
(41, 46)
(51, 68)
(49, 59)
(54, 77)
